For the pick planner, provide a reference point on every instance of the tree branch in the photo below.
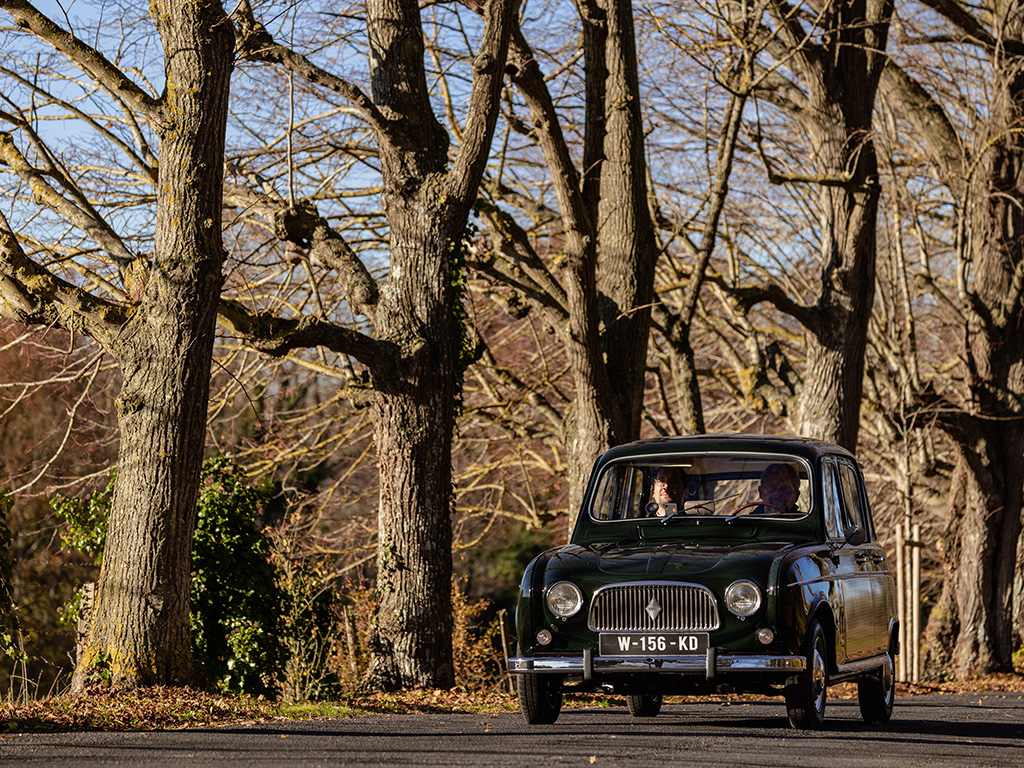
(484, 104)
(747, 297)
(513, 243)
(931, 121)
(33, 295)
(303, 226)
(91, 61)
(276, 336)
(254, 43)
(85, 219)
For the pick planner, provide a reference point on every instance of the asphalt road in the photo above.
(980, 730)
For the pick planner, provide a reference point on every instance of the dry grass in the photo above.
(175, 708)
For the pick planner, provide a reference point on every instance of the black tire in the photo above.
(644, 704)
(540, 698)
(876, 693)
(805, 697)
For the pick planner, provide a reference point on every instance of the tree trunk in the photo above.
(419, 322)
(610, 375)
(140, 625)
(840, 114)
(414, 419)
(984, 526)
(414, 402)
(980, 619)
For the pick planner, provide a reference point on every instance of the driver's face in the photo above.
(668, 487)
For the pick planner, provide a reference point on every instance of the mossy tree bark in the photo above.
(161, 337)
(415, 354)
(980, 620)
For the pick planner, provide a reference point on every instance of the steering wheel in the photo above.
(758, 504)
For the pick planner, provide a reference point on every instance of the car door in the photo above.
(852, 587)
(871, 561)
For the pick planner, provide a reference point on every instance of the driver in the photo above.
(668, 489)
(779, 489)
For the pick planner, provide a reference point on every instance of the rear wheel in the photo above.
(877, 693)
(540, 697)
(644, 704)
(805, 697)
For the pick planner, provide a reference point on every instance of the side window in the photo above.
(833, 515)
(607, 499)
(854, 502)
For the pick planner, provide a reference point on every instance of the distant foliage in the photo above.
(236, 602)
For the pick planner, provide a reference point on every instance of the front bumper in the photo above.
(587, 665)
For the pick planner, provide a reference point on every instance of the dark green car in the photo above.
(699, 564)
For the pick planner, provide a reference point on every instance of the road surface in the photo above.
(979, 730)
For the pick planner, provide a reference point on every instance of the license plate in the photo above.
(654, 644)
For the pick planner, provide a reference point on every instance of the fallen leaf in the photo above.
(593, 759)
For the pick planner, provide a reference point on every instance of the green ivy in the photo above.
(236, 602)
(8, 620)
(87, 521)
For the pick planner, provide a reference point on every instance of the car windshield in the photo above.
(707, 485)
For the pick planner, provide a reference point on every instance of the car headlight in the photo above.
(564, 599)
(743, 598)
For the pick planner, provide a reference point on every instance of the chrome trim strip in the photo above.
(835, 577)
(569, 665)
(861, 665)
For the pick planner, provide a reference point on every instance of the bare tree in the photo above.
(153, 313)
(834, 53)
(600, 294)
(972, 630)
(414, 353)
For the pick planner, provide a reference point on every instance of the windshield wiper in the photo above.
(703, 506)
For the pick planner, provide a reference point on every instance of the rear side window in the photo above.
(854, 501)
(835, 522)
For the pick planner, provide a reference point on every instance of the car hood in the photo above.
(667, 560)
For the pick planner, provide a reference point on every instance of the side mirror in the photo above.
(855, 536)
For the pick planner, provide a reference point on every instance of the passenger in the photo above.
(779, 490)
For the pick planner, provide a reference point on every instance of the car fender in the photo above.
(807, 592)
(529, 606)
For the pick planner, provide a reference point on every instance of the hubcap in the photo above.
(888, 681)
(818, 677)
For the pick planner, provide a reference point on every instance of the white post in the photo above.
(901, 604)
(915, 605)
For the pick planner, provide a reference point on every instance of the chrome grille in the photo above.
(653, 607)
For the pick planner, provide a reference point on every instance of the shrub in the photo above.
(310, 626)
(236, 603)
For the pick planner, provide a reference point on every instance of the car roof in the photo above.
(805, 447)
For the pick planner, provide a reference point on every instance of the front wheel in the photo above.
(540, 698)
(877, 693)
(805, 697)
(644, 704)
